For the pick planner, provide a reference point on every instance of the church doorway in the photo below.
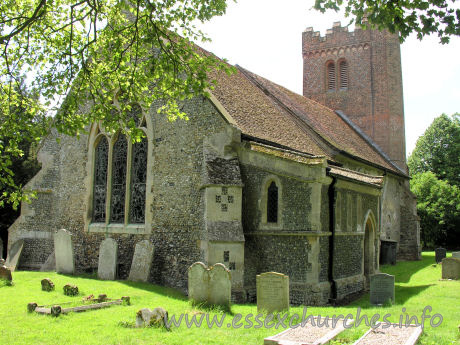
(369, 247)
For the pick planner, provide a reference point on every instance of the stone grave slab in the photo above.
(63, 250)
(451, 268)
(14, 255)
(108, 253)
(209, 285)
(456, 255)
(309, 334)
(5, 273)
(50, 263)
(272, 292)
(393, 335)
(142, 261)
(440, 253)
(382, 288)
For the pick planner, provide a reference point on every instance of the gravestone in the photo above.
(63, 250)
(382, 288)
(456, 255)
(272, 292)
(50, 263)
(47, 285)
(440, 253)
(70, 290)
(209, 285)
(388, 252)
(142, 261)
(5, 273)
(157, 317)
(451, 268)
(108, 252)
(14, 255)
(1, 248)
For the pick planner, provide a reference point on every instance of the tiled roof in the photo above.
(268, 111)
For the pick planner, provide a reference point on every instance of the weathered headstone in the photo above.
(382, 288)
(5, 273)
(1, 248)
(272, 292)
(47, 285)
(142, 261)
(451, 268)
(63, 250)
(456, 255)
(440, 253)
(50, 263)
(157, 317)
(209, 285)
(14, 255)
(220, 285)
(388, 252)
(70, 290)
(108, 253)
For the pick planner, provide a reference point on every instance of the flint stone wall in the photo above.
(176, 209)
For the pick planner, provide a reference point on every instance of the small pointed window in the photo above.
(272, 203)
(330, 76)
(343, 69)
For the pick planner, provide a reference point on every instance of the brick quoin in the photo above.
(373, 98)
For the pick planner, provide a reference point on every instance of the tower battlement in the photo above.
(359, 72)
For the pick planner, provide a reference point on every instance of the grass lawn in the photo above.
(417, 286)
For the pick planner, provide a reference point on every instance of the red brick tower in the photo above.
(359, 73)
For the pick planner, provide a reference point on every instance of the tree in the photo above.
(102, 55)
(420, 16)
(438, 205)
(434, 166)
(438, 150)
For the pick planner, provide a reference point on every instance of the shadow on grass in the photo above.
(403, 270)
(402, 294)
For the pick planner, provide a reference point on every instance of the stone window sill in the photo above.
(132, 229)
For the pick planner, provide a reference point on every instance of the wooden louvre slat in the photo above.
(331, 76)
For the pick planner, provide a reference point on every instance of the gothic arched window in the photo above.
(272, 203)
(101, 160)
(330, 76)
(120, 177)
(119, 156)
(138, 180)
(343, 74)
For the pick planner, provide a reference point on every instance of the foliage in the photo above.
(97, 58)
(403, 16)
(438, 150)
(417, 285)
(435, 169)
(438, 205)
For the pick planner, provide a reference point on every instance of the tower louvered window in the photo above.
(100, 180)
(343, 69)
(272, 203)
(331, 76)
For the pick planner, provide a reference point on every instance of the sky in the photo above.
(265, 37)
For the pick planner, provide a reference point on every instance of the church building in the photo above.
(259, 178)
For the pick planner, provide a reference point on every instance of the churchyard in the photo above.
(417, 284)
